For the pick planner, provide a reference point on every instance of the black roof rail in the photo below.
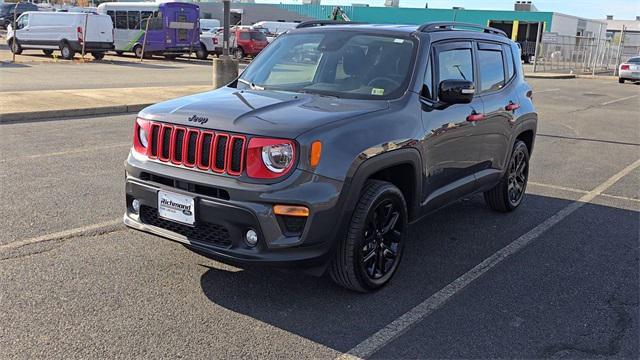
(451, 25)
(314, 23)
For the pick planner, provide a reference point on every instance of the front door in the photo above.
(451, 150)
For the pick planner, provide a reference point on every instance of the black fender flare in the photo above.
(359, 174)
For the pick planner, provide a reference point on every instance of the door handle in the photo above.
(512, 106)
(476, 117)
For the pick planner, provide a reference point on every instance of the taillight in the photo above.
(270, 158)
(141, 136)
(624, 67)
(79, 31)
(215, 41)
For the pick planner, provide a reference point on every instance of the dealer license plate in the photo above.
(176, 207)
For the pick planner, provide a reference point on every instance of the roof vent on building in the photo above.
(524, 6)
(637, 18)
(609, 17)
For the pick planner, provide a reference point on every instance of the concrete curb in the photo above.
(549, 76)
(33, 116)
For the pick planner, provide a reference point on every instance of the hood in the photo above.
(259, 112)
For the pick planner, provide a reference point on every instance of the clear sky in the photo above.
(597, 9)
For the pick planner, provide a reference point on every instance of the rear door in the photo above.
(497, 91)
(99, 29)
(451, 150)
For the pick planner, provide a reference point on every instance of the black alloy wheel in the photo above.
(369, 255)
(508, 194)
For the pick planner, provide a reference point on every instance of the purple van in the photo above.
(173, 28)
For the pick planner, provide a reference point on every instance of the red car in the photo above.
(249, 42)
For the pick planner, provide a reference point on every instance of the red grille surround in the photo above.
(205, 150)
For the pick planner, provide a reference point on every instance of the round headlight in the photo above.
(278, 157)
(142, 136)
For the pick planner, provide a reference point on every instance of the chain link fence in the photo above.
(581, 54)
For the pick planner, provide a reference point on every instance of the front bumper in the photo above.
(226, 208)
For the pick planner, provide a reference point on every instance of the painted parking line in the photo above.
(580, 191)
(98, 228)
(71, 152)
(618, 100)
(544, 91)
(403, 323)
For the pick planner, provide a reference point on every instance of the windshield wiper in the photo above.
(251, 85)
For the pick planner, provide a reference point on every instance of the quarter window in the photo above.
(510, 65)
(491, 70)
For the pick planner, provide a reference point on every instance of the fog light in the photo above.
(251, 237)
(135, 205)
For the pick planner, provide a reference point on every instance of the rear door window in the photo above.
(491, 67)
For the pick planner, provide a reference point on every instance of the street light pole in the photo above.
(225, 69)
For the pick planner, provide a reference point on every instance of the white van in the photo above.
(62, 31)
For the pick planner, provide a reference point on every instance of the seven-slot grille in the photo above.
(202, 149)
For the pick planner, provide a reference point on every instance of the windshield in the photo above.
(338, 63)
(6, 8)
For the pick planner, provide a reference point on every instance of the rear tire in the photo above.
(621, 80)
(202, 52)
(67, 52)
(47, 52)
(137, 51)
(510, 191)
(15, 47)
(98, 55)
(367, 258)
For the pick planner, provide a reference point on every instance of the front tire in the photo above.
(370, 254)
(137, 51)
(238, 53)
(509, 193)
(15, 47)
(621, 80)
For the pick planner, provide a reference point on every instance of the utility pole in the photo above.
(225, 69)
(14, 43)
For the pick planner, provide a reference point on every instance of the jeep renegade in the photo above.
(331, 142)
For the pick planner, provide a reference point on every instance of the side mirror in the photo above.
(456, 91)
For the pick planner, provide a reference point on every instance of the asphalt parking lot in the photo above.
(557, 278)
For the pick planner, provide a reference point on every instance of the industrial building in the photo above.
(519, 24)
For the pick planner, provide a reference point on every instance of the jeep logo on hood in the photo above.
(198, 119)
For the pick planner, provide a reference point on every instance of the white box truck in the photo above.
(64, 31)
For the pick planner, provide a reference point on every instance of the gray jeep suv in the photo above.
(331, 142)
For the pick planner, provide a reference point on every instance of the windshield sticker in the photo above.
(377, 91)
(398, 41)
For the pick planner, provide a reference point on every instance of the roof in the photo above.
(630, 25)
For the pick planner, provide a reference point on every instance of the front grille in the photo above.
(204, 232)
(208, 150)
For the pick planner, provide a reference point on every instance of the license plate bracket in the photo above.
(176, 207)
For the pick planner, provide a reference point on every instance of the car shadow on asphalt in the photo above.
(9, 64)
(441, 248)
